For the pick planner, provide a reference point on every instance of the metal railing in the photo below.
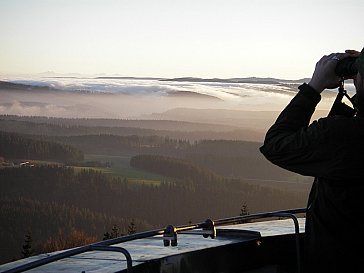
(169, 238)
(70, 253)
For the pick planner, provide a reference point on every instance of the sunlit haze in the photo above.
(230, 38)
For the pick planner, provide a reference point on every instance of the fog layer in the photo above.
(243, 105)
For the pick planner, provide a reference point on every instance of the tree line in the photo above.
(174, 167)
(240, 159)
(23, 147)
(163, 128)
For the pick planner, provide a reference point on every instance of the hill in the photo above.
(23, 147)
(237, 80)
(158, 127)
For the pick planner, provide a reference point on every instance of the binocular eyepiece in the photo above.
(347, 67)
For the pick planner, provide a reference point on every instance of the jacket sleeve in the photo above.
(293, 144)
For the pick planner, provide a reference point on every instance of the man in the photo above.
(332, 150)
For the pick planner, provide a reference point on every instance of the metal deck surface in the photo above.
(271, 228)
(142, 250)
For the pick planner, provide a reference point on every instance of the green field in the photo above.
(120, 168)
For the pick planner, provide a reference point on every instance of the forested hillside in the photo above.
(173, 167)
(48, 198)
(143, 181)
(240, 159)
(46, 221)
(23, 147)
(163, 128)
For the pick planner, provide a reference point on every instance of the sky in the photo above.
(172, 38)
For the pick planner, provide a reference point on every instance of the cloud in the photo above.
(31, 109)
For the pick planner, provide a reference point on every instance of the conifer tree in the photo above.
(131, 227)
(115, 232)
(27, 249)
(107, 236)
(244, 211)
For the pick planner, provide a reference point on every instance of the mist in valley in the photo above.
(241, 106)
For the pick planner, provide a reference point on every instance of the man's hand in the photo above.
(324, 76)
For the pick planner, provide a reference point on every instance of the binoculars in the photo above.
(347, 68)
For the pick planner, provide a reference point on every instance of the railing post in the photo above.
(129, 261)
(210, 227)
(170, 236)
(297, 236)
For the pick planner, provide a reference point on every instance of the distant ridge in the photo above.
(128, 78)
(238, 80)
(20, 86)
(193, 95)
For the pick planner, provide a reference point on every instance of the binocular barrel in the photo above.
(347, 67)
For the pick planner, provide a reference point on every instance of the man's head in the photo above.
(359, 80)
(360, 63)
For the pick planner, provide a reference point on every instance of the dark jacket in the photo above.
(331, 150)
